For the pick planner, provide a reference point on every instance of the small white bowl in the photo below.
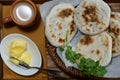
(31, 47)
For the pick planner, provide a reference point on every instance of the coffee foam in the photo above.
(24, 12)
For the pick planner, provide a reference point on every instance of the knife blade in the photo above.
(1, 62)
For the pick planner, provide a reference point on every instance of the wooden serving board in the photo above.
(35, 33)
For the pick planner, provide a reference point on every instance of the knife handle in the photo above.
(7, 20)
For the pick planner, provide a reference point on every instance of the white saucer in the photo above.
(31, 47)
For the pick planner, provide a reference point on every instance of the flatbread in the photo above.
(115, 15)
(97, 47)
(92, 16)
(58, 22)
(114, 32)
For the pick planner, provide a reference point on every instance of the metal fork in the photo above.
(50, 72)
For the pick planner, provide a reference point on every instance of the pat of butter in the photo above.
(17, 47)
(14, 61)
(26, 57)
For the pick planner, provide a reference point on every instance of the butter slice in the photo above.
(14, 61)
(26, 57)
(17, 47)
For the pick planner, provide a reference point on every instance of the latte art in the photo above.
(24, 12)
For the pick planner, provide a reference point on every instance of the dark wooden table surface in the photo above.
(1, 66)
(7, 2)
(115, 6)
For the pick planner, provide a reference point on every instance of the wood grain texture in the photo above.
(1, 62)
(115, 6)
(8, 2)
(35, 33)
(8, 74)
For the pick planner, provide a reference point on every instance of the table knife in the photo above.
(1, 62)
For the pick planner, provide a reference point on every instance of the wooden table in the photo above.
(38, 37)
(36, 34)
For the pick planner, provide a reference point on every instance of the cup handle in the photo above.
(7, 20)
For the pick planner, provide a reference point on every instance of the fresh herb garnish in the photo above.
(90, 67)
(61, 48)
(87, 66)
(71, 55)
(66, 39)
